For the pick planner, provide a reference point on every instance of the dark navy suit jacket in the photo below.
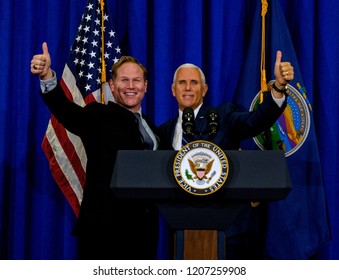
(105, 129)
(235, 125)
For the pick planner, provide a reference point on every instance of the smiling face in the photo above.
(188, 88)
(129, 86)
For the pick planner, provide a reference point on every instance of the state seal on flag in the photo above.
(291, 129)
(200, 168)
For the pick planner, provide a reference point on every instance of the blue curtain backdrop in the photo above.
(35, 219)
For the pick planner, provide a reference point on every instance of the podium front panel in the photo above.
(253, 176)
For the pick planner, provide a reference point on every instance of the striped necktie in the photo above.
(185, 139)
(146, 139)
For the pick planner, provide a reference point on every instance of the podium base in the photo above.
(199, 245)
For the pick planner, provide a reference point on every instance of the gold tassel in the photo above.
(263, 82)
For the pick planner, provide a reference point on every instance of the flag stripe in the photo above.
(71, 189)
(68, 83)
(64, 161)
(70, 151)
(81, 81)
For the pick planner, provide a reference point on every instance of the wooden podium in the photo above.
(199, 221)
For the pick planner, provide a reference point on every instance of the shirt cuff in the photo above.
(48, 85)
(279, 101)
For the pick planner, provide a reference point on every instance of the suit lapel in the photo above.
(171, 127)
(201, 121)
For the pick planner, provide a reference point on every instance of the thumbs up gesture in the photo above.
(41, 64)
(283, 71)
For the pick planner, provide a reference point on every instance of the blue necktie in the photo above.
(146, 139)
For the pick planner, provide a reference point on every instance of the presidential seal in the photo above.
(200, 168)
(291, 129)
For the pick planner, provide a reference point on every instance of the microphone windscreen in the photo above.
(188, 120)
(212, 120)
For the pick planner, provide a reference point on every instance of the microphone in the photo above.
(188, 121)
(213, 121)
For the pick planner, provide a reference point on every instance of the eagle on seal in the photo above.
(200, 169)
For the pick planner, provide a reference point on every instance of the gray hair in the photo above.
(190, 65)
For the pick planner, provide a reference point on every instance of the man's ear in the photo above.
(146, 83)
(173, 90)
(205, 90)
(111, 85)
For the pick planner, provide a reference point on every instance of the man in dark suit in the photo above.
(189, 88)
(107, 228)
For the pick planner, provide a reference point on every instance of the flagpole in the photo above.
(103, 64)
(263, 82)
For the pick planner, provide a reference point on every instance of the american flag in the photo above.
(84, 81)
